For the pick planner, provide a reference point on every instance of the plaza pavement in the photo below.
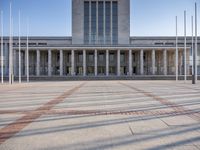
(98, 115)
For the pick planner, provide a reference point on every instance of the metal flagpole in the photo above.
(185, 61)
(12, 29)
(27, 56)
(19, 48)
(196, 42)
(2, 53)
(193, 55)
(192, 43)
(10, 48)
(176, 49)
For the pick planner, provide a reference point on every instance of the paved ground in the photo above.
(90, 115)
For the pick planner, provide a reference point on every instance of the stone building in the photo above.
(100, 47)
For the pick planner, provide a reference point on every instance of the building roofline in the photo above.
(42, 37)
(159, 37)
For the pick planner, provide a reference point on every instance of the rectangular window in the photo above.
(80, 58)
(100, 22)
(108, 22)
(93, 22)
(86, 22)
(101, 57)
(91, 57)
(114, 22)
(112, 57)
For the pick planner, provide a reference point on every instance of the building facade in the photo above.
(100, 46)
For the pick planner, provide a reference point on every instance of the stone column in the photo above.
(153, 62)
(141, 62)
(84, 62)
(25, 61)
(14, 62)
(72, 63)
(165, 62)
(61, 62)
(49, 63)
(6, 58)
(95, 62)
(118, 63)
(130, 63)
(38, 62)
(107, 62)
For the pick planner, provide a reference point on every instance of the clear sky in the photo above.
(53, 17)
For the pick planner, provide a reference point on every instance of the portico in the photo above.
(108, 61)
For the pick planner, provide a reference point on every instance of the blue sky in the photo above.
(53, 17)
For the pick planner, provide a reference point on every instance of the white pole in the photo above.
(10, 48)
(192, 45)
(27, 56)
(2, 58)
(12, 29)
(20, 80)
(185, 61)
(176, 49)
(196, 42)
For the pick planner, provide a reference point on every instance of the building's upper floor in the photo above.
(134, 42)
(105, 22)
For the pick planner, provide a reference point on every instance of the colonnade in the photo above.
(100, 62)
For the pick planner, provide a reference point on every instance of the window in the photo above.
(115, 22)
(108, 24)
(100, 22)
(112, 57)
(101, 57)
(91, 57)
(86, 22)
(122, 58)
(80, 58)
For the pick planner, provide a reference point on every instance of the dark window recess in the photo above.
(158, 43)
(32, 44)
(180, 43)
(169, 43)
(42, 43)
(23, 44)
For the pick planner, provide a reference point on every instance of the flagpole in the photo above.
(27, 48)
(196, 43)
(12, 64)
(19, 48)
(2, 53)
(10, 49)
(176, 49)
(192, 43)
(185, 61)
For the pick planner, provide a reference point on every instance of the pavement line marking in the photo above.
(165, 102)
(2, 112)
(13, 128)
(8, 89)
(125, 112)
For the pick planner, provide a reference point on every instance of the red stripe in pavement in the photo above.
(15, 127)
